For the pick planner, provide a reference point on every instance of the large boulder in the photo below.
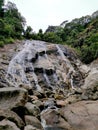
(8, 125)
(11, 97)
(12, 116)
(32, 109)
(31, 120)
(52, 120)
(82, 115)
(91, 80)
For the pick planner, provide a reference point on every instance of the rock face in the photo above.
(39, 64)
(44, 86)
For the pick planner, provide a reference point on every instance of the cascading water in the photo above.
(22, 63)
(63, 57)
(68, 65)
(46, 78)
(46, 55)
(34, 65)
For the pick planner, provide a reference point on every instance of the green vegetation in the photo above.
(81, 34)
(11, 23)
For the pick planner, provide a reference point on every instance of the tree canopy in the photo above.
(11, 22)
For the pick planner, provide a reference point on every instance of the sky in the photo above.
(40, 14)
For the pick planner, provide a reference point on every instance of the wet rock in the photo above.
(81, 115)
(31, 120)
(32, 109)
(49, 65)
(49, 103)
(43, 64)
(11, 97)
(51, 48)
(51, 120)
(33, 56)
(8, 125)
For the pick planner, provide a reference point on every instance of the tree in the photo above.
(40, 34)
(28, 32)
(1, 8)
(52, 37)
(1, 26)
(14, 20)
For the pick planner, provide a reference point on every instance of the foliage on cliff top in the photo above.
(11, 23)
(80, 33)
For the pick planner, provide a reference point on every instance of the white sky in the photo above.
(42, 13)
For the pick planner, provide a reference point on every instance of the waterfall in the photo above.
(61, 53)
(46, 78)
(36, 82)
(68, 65)
(46, 55)
(55, 77)
(64, 58)
(22, 64)
(32, 66)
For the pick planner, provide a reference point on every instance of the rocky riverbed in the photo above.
(44, 86)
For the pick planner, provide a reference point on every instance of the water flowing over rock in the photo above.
(39, 63)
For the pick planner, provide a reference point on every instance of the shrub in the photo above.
(52, 37)
(9, 40)
(1, 44)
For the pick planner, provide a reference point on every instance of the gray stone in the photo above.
(30, 127)
(91, 80)
(38, 103)
(12, 116)
(49, 103)
(31, 120)
(53, 66)
(52, 120)
(32, 109)
(8, 125)
(11, 97)
(82, 115)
